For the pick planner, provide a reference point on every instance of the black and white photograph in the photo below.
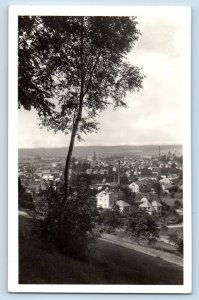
(99, 149)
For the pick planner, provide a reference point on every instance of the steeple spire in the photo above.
(94, 156)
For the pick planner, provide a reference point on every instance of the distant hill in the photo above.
(103, 151)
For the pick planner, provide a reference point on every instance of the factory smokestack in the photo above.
(118, 173)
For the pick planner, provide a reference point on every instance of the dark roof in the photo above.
(142, 182)
(139, 196)
(151, 197)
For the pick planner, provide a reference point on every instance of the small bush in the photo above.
(164, 230)
(69, 223)
(178, 241)
(25, 199)
(110, 219)
(141, 225)
(179, 220)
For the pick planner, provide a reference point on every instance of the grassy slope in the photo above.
(40, 263)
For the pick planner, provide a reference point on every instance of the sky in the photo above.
(155, 114)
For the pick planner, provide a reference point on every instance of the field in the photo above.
(41, 263)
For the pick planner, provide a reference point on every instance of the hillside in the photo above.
(40, 263)
(84, 151)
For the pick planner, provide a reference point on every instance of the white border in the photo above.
(13, 285)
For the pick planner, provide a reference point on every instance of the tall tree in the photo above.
(72, 68)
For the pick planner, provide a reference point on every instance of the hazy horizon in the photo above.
(119, 145)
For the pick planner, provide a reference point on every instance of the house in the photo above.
(165, 181)
(151, 205)
(142, 186)
(157, 207)
(103, 172)
(147, 177)
(166, 188)
(134, 187)
(138, 197)
(96, 186)
(146, 205)
(173, 177)
(39, 174)
(105, 198)
(124, 206)
(48, 177)
(113, 184)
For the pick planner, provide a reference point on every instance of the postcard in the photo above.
(99, 149)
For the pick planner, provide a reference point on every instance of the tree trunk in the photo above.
(78, 116)
(68, 159)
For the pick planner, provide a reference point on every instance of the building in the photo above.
(152, 207)
(134, 187)
(146, 205)
(105, 198)
(142, 186)
(157, 207)
(165, 181)
(48, 177)
(147, 177)
(96, 186)
(124, 206)
(173, 177)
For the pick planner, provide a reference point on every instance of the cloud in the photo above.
(159, 35)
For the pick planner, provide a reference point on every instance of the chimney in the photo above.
(118, 173)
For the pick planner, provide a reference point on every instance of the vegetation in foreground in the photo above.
(42, 263)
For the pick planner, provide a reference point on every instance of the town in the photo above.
(154, 183)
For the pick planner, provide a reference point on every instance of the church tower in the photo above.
(94, 156)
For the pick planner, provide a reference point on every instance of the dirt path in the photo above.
(169, 257)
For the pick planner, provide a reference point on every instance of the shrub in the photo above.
(70, 226)
(25, 199)
(164, 230)
(179, 220)
(177, 204)
(178, 241)
(110, 219)
(141, 225)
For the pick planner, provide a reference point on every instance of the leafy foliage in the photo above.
(110, 218)
(177, 204)
(178, 241)
(158, 188)
(146, 171)
(25, 199)
(63, 57)
(124, 180)
(71, 230)
(34, 81)
(141, 225)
